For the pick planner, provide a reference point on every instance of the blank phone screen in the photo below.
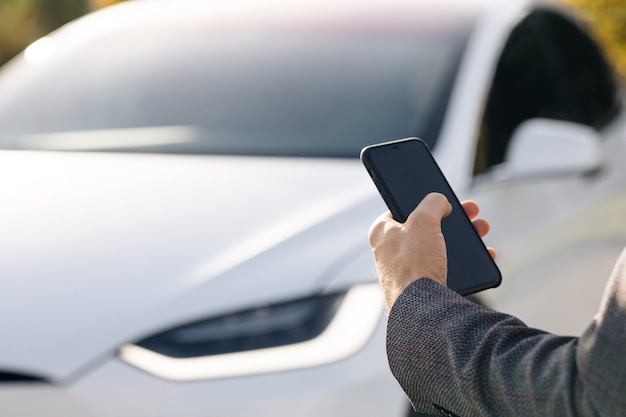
(404, 173)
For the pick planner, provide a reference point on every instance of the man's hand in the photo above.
(416, 249)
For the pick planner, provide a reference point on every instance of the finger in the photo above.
(435, 205)
(482, 226)
(471, 208)
(492, 252)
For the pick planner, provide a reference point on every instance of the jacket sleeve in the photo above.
(445, 350)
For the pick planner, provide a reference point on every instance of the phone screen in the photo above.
(405, 172)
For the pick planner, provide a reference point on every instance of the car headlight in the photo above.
(296, 334)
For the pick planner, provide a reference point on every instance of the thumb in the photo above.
(434, 206)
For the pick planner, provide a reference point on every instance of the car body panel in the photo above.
(558, 239)
(166, 268)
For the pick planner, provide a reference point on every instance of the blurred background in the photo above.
(24, 21)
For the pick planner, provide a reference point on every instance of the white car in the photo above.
(184, 216)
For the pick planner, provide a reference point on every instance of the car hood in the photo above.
(97, 250)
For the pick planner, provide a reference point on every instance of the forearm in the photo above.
(446, 350)
(601, 356)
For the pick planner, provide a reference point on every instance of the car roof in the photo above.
(412, 15)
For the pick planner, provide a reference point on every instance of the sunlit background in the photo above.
(24, 21)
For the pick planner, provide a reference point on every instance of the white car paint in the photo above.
(558, 238)
(125, 287)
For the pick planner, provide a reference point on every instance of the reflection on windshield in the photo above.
(255, 93)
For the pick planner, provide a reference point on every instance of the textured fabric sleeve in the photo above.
(446, 350)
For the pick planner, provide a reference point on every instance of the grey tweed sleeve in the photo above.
(445, 350)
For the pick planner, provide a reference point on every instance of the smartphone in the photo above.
(405, 171)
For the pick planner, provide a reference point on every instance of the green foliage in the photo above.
(24, 21)
(607, 20)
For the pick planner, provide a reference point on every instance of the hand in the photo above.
(416, 249)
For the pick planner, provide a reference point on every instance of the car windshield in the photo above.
(317, 93)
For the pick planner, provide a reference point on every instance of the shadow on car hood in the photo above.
(101, 249)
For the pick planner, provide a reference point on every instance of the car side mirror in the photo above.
(541, 148)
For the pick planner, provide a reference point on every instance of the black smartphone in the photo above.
(404, 172)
